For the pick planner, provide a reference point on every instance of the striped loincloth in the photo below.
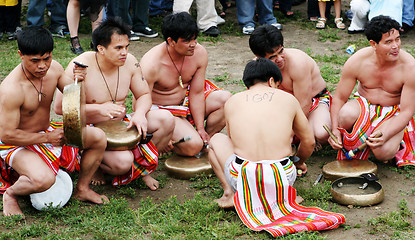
(54, 156)
(145, 162)
(322, 97)
(184, 110)
(371, 117)
(265, 201)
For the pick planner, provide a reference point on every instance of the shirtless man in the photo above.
(178, 66)
(301, 76)
(385, 77)
(260, 122)
(112, 73)
(28, 141)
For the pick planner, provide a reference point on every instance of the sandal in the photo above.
(339, 23)
(321, 23)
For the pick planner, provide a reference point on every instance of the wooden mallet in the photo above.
(353, 152)
(335, 140)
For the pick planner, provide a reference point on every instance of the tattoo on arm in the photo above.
(260, 97)
(137, 65)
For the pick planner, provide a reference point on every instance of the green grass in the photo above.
(395, 225)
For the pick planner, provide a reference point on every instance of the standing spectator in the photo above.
(407, 15)
(160, 7)
(137, 21)
(94, 8)
(35, 12)
(245, 11)
(9, 18)
(207, 17)
(313, 12)
(338, 20)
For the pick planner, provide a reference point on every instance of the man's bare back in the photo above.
(261, 111)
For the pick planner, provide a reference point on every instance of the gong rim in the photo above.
(375, 193)
(348, 168)
(181, 167)
(119, 137)
(73, 112)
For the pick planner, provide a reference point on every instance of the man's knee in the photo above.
(192, 147)
(218, 99)
(96, 138)
(42, 181)
(348, 115)
(216, 139)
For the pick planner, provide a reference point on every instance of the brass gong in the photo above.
(348, 168)
(119, 137)
(187, 167)
(357, 191)
(73, 110)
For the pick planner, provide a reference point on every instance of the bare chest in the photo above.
(101, 87)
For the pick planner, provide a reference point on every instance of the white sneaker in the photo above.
(220, 21)
(248, 30)
(134, 36)
(277, 25)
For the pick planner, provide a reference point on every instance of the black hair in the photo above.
(380, 25)
(35, 40)
(261, 70)
(102, 34)
(264, 39)
(179, 25)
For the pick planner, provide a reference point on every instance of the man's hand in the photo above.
(334, 144)
(374, 140)
(203, 134)
(113, 111)
(56, 137)
(302, 167)
(79, 72)
(140, 122)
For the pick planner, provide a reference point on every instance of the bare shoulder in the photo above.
(201, 53)
(298, 58)
(407, 58)
(10, 88)
(132, 62)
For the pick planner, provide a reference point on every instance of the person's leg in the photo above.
(183, 129)
(312, 10)
(34, 176)
(181, 5)
(349, 114)
(124, 11)
(215, 119)
(161, 125)
(319, 117)
(338, 19)
(408, 13)
(73, 14)
(265, 12)
(58, 15)
(206, 14)
(245, 11)
(35, 11)
(388, 150)
(360, 9)
(220, 149)
(140, 19)
(97, 22)
(114, 163)
(92, 156)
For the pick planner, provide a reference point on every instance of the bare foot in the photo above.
(226, 201)
(90, 195)
(299, 199)
(10, 205)
(317, 147)
(98, 178)
(151, 183)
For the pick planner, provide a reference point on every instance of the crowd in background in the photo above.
(65, 14)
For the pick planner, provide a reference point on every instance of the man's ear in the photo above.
(20, 54)
(171, 42)
(272, 83)
(100, 49)
(372, 43)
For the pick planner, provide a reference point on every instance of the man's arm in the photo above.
(11, 102)
(141, 91)
(303, 131)
(344, 88)
(197, 96)
(302, 85)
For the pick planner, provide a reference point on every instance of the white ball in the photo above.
(57, 195)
